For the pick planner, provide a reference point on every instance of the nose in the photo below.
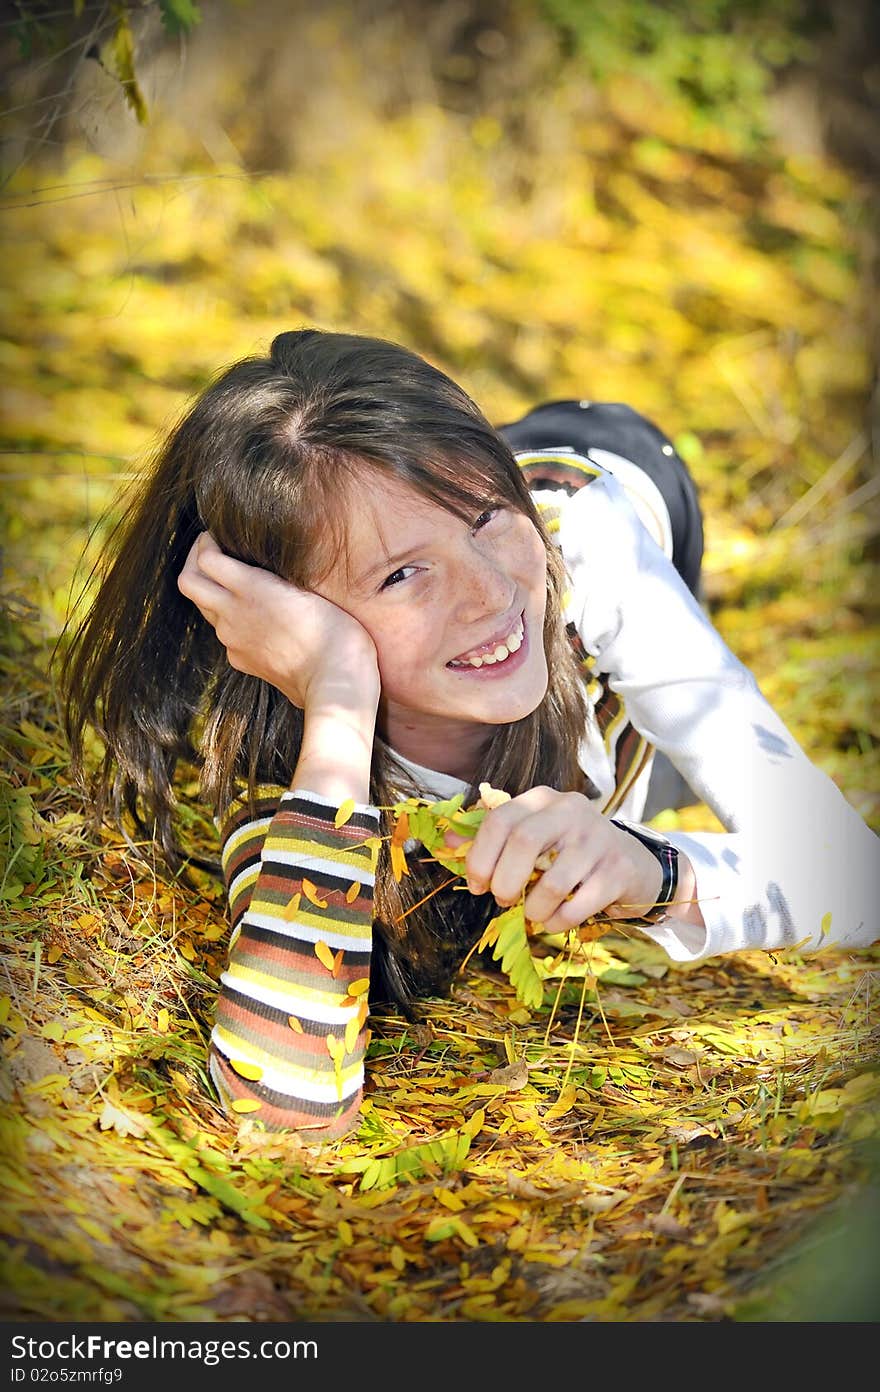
(483, 585)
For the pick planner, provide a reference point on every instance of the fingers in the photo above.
(206, 594)
(559, 855)
(572, 886)
(207, 557)
(510, 840)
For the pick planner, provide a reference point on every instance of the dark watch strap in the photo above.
(667, 855)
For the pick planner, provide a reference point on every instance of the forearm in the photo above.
(337, 747)
(776, 891)
(290, 1033)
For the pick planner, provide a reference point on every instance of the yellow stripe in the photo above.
(362, 933)
(571, 461)
(251, 831)
(243, 890)
(289, 990)
(643, 749)
(246, 1051)
(309, 849)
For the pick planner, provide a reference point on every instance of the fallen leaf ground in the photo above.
(656, 1142)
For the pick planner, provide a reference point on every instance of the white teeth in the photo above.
(512, 643)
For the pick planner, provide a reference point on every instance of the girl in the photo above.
(340, 586)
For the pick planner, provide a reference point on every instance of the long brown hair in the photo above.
(259, 460)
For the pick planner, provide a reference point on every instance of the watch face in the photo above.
(653, 836)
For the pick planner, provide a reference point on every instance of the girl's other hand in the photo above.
(307, 647)
(585, 864)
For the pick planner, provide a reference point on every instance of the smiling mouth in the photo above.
(494, 653)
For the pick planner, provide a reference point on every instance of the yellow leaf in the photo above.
(337, 961)
(324, 955)
(826, 926)
(54, 953)
(162, 1021)
(311, 893)
(295, 1024)
(492, 797)
(564, 1103)
(336, 1050)
(291, 909)
(246, 1104)
(344, 814)
(352, 1030)
(247, 1070)
(399, 866)
(353, 891)
(359, 987)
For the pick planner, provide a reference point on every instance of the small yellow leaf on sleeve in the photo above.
(311, 893)
(359, 987)
(353, 891)
(324, 955)
(246, 1104)
(337, 962)
(292, 908)
(295, 1024)
(352, 1030)
(344, 814)
(247, 1070)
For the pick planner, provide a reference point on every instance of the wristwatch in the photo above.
(667, 855)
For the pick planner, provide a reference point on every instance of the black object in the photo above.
(609, 425)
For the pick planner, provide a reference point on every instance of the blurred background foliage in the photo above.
(668, 204)
(671, 205)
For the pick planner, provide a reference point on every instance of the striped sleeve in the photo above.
(290, 1032)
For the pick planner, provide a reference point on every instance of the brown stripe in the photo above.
(317, 1121)
(303, 968)
(295, 970)
(284, 1043)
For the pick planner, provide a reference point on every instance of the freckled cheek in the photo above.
(530, 566)
(403, 654)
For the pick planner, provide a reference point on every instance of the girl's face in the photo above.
(456, 612)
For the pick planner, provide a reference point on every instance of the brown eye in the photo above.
(484, 518)
(396, 577)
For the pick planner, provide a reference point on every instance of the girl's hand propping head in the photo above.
(294, 639)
